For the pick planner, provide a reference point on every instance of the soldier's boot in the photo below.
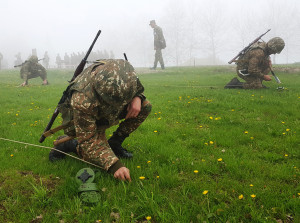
(67, 147)
(152, 68)
(234, 83)
(115, 143)
(162, 66)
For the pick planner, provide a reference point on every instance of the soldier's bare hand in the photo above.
(267, 77)
(23, 84)
(134, 108)
(123, 174)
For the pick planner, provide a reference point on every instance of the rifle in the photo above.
(243, 51)
(78, 71)
(276, 78)
(20, 65)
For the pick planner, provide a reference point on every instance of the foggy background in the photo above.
(197, 32)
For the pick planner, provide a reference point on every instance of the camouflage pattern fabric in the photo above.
(159, 44)
(256, 63)
(99, 100)
(32, 69)
(158, 58)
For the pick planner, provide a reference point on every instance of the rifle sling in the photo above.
(65, 139)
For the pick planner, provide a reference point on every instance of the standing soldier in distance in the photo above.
(1, 58)
(46, 60)
(159, 44)
(254, 66)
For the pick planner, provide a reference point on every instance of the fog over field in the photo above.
(197, 32)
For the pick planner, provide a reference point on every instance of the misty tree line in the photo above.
(219, 30)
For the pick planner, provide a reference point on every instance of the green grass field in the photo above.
(205, 153)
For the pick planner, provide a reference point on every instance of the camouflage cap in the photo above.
(276, 45)
(152, 22)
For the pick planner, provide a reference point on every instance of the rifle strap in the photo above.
(65, 139)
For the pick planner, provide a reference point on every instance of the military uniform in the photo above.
(253, 66)
(99, 99)
(159, 44)
(32, 69)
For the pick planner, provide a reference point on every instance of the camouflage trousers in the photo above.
(92, 142)
(252, 82)
(158, 58)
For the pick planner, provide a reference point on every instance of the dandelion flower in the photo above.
(251, 137)
(17, 114)
(211, 118)
(148, 218)
(12, 155)
(149, 161)
(206, 143)
(282, 122)
(196, 171)
(220, 159)
(251, 185)
(203, 160)
(138, 167)
(283, 133)
(155, 131)
(287, 130)
(241, 197)
(286, 155)
(205, 192)
(142, 178)
(211, 142)
(157, 177)
(159, 119)
(246, 132)
(200, 126)
(232, 109)
(253, 195)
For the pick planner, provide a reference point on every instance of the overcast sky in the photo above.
(60, 26)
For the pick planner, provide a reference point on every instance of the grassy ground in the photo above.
(205, 154)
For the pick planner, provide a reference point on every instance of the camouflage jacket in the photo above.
(100, 94)
(159, 40)
(31, 70)
(255, 61)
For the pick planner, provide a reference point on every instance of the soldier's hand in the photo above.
(267, 77)
(123, 174)
(23, 84)
(134, 108)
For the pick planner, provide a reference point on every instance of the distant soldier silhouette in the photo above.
(46, 60)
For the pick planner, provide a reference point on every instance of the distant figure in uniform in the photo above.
(159, 44)
(254, 66)
(58, 61)
(1, 58)
(66, 60)
(46, 60)
(32, 69)
(18, 60)
(103, 94)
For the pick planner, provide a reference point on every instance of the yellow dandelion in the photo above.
(155, 131)
(232, 109)
(12, 155)
(251, 137)
(14, 123)
(241, 197)
(287, 130)
(159, 119)
(155, 113)
(246, 132)
(148, 161)
(99, 220)
(205, 192)
(298, 194)
(211, 118)
(200, 126)
(206, 143)
(189, 102)
(251, 185)
(211, 142)
(17, 114)
(261, 96)
(138, 167)
(286, 155)
(282, 122)
(220, 159)
(283, 133)
(252, 95)
(159, 112)
(142, 178)
(203, 160)
(157, 177)
(148, 218)
(196, 171)
(253, 195)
